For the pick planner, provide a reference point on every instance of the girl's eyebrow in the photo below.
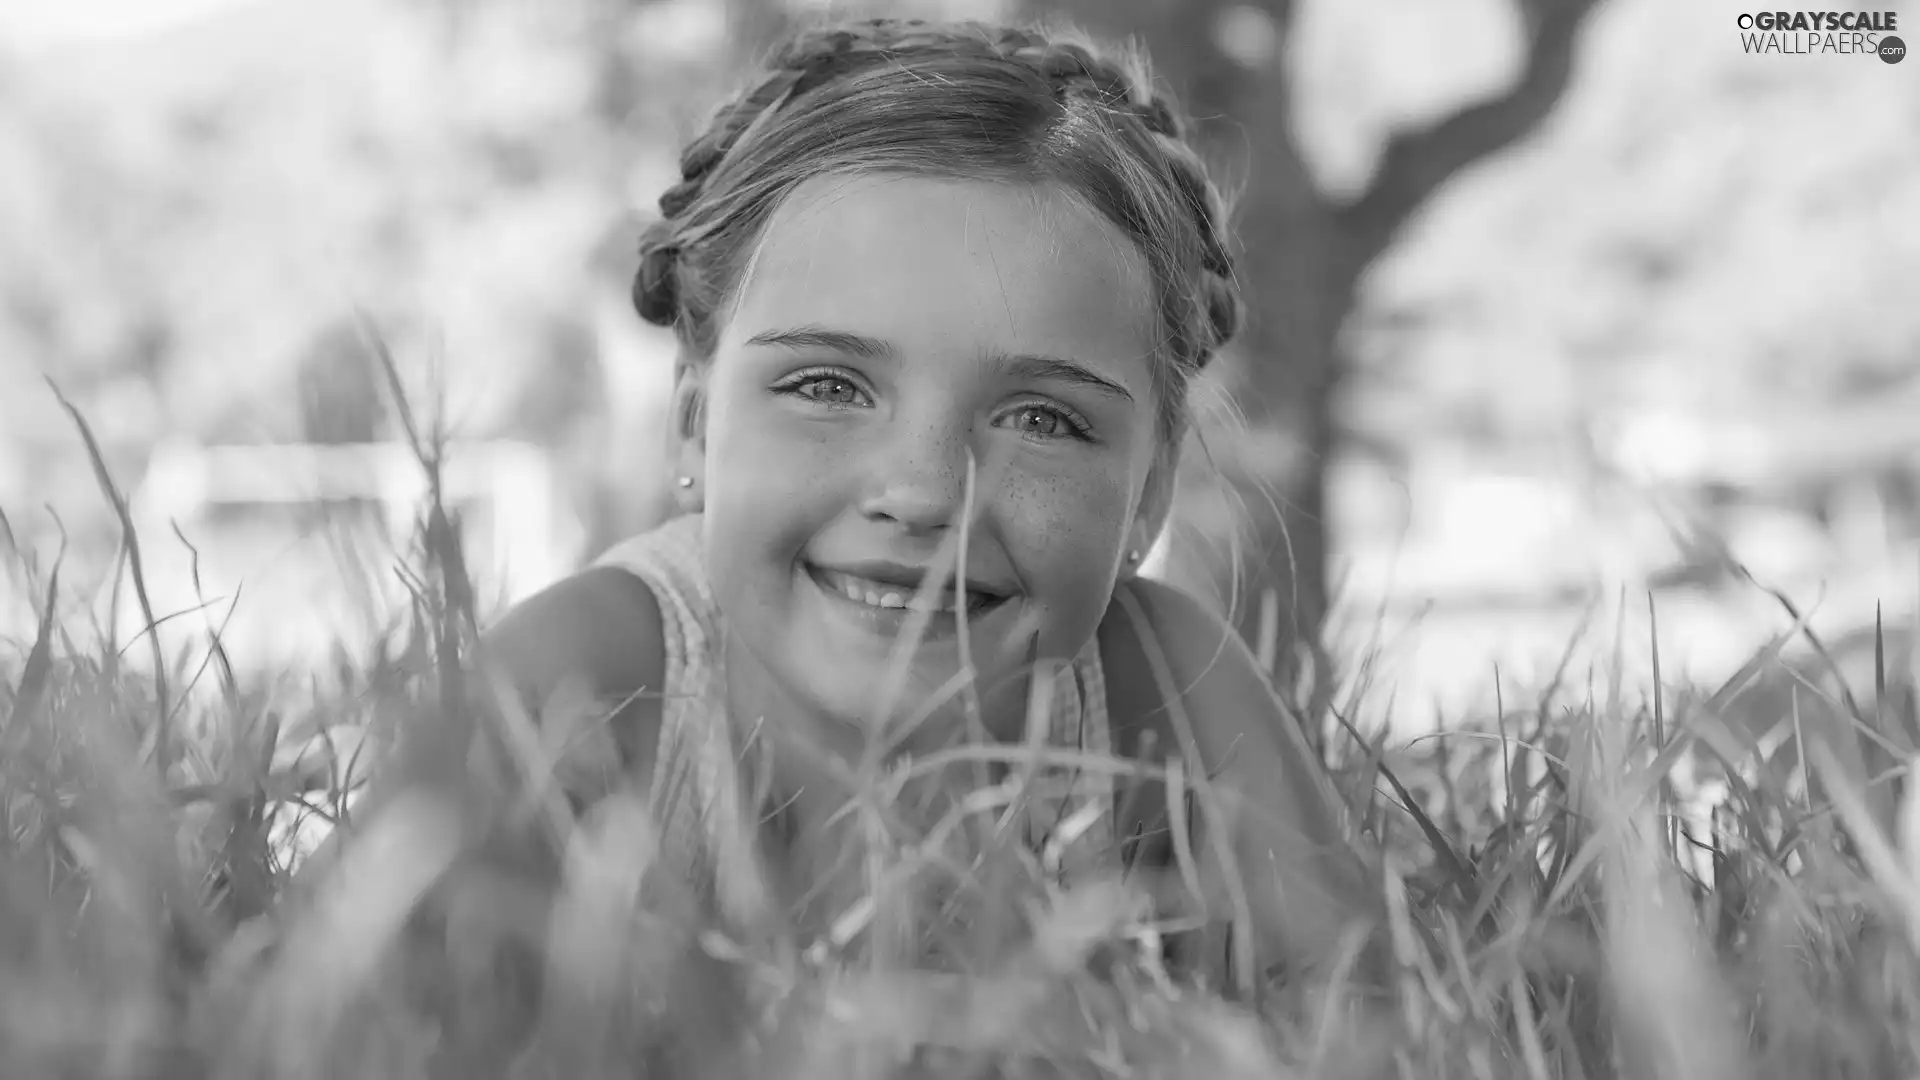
(1021, 366)
(1053, 368)
(815, 337)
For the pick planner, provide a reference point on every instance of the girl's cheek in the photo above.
(766, 446)
(1070, 520)
(1077, 503)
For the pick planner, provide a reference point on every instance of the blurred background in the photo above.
(1560, 307)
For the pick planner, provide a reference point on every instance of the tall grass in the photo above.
(1559, 901)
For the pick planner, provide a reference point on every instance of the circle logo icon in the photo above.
(1892, 50)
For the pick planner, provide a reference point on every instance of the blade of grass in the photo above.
(1458, 875)
(1877, 854)
(1660, 721)
(229, 685)
(130, 537)
(1506, 762)
(29, 694)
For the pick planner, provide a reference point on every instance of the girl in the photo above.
(938, 292)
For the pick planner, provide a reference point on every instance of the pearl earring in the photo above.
(1133, 558)
(685, 481)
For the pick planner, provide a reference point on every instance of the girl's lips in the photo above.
(893, 595)
(887, 608)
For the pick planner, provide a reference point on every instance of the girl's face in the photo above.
(889, 328)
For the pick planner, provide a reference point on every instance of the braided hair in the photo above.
(954, 100)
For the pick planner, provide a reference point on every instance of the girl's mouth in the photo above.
(887, 595)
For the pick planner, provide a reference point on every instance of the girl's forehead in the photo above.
(935, 263)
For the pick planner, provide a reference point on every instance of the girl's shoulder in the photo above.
(1166, 652)
(1181, 681)
(602, 624)
(1177, 669)
(601, 632)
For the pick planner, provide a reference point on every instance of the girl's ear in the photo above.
(689, 453)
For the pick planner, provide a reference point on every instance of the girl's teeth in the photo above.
(860, 592)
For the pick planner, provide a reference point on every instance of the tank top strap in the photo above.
(1073, 828)
(697, 795)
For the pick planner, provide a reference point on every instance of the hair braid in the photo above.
(1126, 87)
(807, 61)
(1116, 90)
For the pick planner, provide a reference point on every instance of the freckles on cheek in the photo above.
(1071, 522)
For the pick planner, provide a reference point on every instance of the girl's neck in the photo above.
(813, 832)
(755, 697)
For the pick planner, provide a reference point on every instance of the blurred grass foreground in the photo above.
(1709, 882)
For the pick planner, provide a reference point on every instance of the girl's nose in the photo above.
(919, 480)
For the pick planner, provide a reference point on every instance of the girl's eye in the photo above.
(826, 388)
(831, 390)
(1047, 422)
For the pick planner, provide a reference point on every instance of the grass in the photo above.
(1558, 904)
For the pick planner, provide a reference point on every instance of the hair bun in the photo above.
(1226, 312)
(655, 296)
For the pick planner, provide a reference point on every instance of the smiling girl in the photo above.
(938, 292)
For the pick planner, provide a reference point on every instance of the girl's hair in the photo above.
(952, 101)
